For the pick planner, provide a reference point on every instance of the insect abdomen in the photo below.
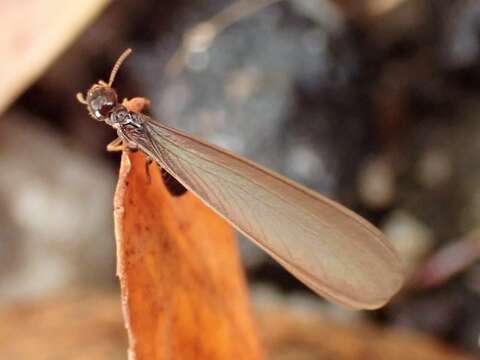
(172, 185)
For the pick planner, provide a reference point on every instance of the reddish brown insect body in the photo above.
(102, 104)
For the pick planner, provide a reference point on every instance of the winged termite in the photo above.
(332, 250)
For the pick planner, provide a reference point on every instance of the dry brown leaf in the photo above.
(294, 333)
(79, 326)
(87, 325)
(32, 34)
(183, 289)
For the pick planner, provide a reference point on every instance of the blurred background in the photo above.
(373, 102)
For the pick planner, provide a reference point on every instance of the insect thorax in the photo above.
(120, 116)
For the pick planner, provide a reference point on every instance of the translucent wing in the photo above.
(329, 248)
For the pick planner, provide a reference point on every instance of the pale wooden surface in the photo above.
(32, 34)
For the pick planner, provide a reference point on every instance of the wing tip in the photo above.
(378, 299)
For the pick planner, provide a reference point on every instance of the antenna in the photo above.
(117, 65)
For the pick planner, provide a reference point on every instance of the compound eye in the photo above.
(105, 109)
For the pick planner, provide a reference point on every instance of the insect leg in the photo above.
(148, 162)
(119, 144)
(136, 104)
(116, 145)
